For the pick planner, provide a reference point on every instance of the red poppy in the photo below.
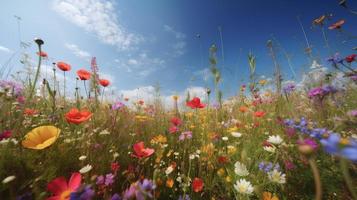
(104, 82)
(64, 66)
(140, 151)
(61, 189)
(266, 144)
(337, 25)
(351, 58)
(223, 159)
(176, 121)
(76, 116)
(195, 103)
(173, 129)
(42, 54)
(83, 74)
(259, 113)
(197, 185)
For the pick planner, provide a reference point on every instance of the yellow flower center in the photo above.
(65, 195)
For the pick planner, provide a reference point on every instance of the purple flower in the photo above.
(100, 180)
(329, 89)
(352, 113)
(289, 88)
(335, 145)
(109, 179)
(12, 86)
(116, 197)
(185, 135)
(83, 193)
(353, 77)
(117, 105)
(289, 165)
(335, 60)
(309, 142)
(318, 91)
(140, 190)
(185, 197)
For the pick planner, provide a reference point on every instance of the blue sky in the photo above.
(139, 44)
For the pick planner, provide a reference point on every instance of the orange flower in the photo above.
(104, 82)
(63, 66)
(169, 183)
(259, 113)
(243, 109)
(42, 54)
(337, 25)
(269, 196)
(75, 116)
(83, 74)
(30, 112)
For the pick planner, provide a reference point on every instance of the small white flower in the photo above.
(277, 176)
(270, 149)
(275, 139)
(176, 153)
(169, 170)
(240, 169)
(225, 138)
(192, 156)
(198, 151)
(104, 132)
(85, 169)
(165, 145)
(236, 134)
(8, 179)
(244, 187)
(82, 157)
(116, 154)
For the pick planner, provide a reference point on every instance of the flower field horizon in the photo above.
(65, 136)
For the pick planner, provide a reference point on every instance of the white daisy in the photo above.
(8, 179)
(225, 138)
(244, 187)
(270, 149)
(275, 139)
(85, 169)
(277, 176)
(169, 170)
(236, 134)
(240, 169)
(82, 158)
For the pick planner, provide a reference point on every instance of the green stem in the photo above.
(315, 172)
(33, 85)
(347, 177)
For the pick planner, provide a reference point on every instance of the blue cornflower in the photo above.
(335, 145)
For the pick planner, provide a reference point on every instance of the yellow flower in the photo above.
(233, 129)
(41, 137)
(228, 179)
(159, 139)
(221, 172)
(175, 97)
(263, 82)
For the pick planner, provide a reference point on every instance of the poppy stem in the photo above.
(64, 88)
(103, 94)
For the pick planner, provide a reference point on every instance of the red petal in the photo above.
(57, 186)
(74, 181)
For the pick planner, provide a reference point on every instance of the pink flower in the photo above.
(140, 151)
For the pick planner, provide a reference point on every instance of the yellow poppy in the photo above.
(41, 137)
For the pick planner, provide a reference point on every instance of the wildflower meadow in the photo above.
(63, 138)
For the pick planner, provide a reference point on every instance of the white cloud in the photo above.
(5, 49)
(143, 65)
(177, 34)
(77, 51)
(97, 17)
(179, 46)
